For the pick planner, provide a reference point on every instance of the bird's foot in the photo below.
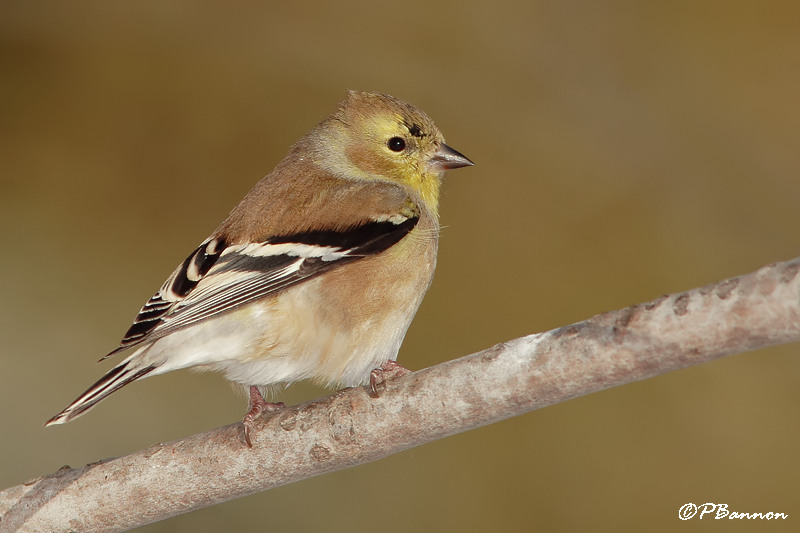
(257, 406)
(388, 370)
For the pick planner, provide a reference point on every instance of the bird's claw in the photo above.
(257, 406)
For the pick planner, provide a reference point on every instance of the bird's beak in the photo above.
(446, 158)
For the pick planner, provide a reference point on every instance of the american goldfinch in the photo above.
(316, 274)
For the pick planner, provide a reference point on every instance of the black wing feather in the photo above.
(234, 276)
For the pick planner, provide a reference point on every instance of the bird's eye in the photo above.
(396, 144)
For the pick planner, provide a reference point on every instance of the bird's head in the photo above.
(380, 137)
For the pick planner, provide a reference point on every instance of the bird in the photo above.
(315, 275)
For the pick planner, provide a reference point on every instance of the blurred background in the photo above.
(623, 150)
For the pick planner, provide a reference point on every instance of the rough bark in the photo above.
(350, 427)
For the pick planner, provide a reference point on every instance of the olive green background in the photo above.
(623, 150)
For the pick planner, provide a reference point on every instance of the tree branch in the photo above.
(350, 428)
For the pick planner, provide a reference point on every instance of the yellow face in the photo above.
(393, 141)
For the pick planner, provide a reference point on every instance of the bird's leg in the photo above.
(388, 370)
(257, 406)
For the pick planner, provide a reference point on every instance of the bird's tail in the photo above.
(116, 378)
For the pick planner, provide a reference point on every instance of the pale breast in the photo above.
(336, 328)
